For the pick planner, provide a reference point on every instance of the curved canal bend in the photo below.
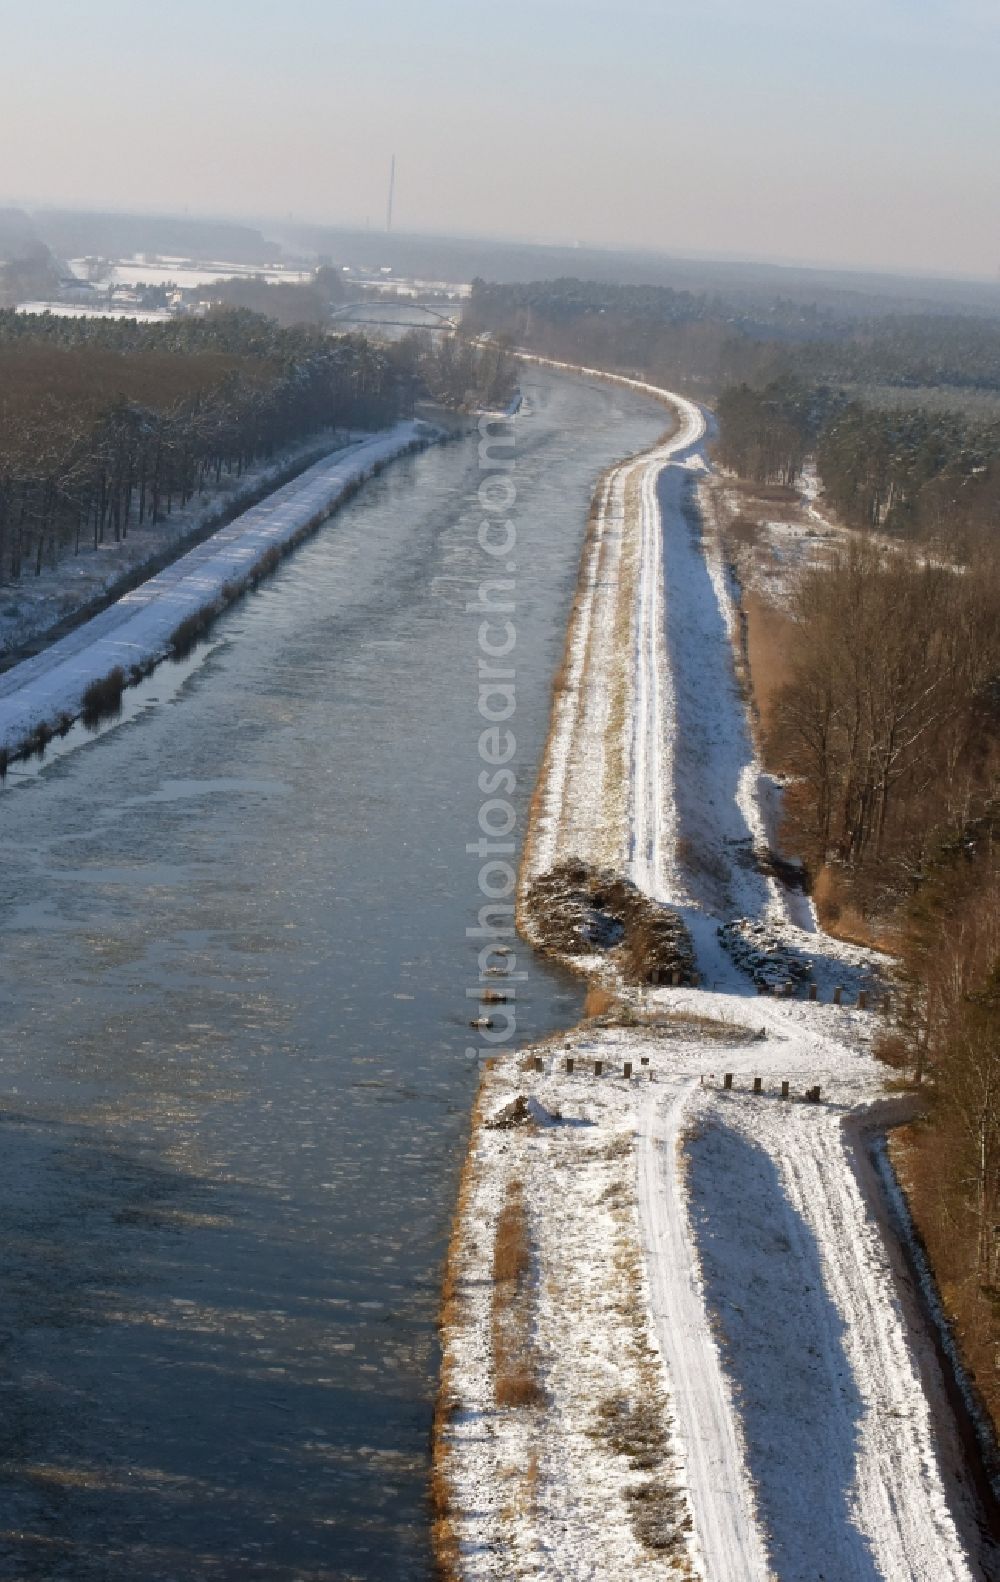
(233, 974)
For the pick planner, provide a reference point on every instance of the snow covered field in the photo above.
(185, 274)
(714, 1256)
(75, 310)
(49, 688)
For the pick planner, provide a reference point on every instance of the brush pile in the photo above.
(576, 910)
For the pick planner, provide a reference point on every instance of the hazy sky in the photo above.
(841, 131)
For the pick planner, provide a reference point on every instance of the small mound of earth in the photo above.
(764, 955)
(581, 911)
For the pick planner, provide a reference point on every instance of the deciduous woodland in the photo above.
(108, 425)
(883, 706)
(887, 723)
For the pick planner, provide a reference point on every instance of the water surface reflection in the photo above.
(232, 988)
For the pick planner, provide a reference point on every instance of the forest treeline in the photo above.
(889, 719)
(949, 1041)
(106, 425)
(703, 342)
(888, 727)
(912, 472)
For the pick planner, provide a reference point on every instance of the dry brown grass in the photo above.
(515, 1366)
(444, 1528)
(744, 532)
(768, 631)
(685, 1023)
(770, 493)
(939, 1208)
(518, 1386)
(511, 1247)
(599, 1002)
(842, 918)
(637, 1428)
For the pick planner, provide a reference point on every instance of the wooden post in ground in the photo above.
(727, 1080)
(784, 1090)
(758, 1084)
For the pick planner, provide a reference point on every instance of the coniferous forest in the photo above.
(106, 425)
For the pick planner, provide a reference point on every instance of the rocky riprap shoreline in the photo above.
(768, 959)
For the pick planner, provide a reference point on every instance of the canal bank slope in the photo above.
(91, 665)
(677, 1338)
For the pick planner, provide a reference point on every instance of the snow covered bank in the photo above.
(35, 603)
(582, 806)
(48, 690)
(586, 1484)
(803, 1427)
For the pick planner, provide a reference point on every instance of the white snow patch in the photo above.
(769, 1244)
(138, 628)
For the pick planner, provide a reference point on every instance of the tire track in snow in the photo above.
(901, 1506)
(721, 1498)
(725, 1524)
(652, 821)
(647, 751)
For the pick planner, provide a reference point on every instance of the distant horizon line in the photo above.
(634, 250)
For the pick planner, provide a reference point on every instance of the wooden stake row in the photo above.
(599, 1065)
(812, 1094)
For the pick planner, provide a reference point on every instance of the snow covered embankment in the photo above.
(48, 690)
(804, 1430)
